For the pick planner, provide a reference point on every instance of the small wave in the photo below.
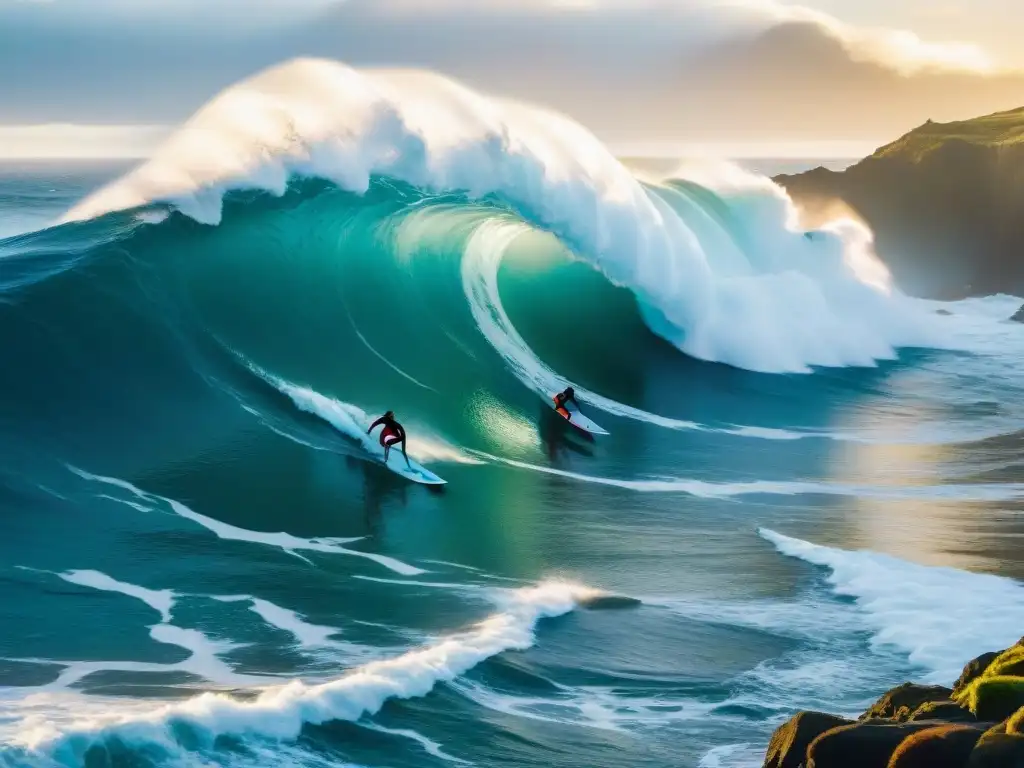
(940, 617)
(280, 712)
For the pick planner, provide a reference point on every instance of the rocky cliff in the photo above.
(946, 203)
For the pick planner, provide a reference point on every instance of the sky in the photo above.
(649, 77)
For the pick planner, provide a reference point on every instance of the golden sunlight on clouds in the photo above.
(901, 49)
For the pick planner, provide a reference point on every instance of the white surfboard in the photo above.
(411, 471)
(396, 463)
(580, 421)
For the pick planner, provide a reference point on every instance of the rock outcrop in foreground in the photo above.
(946, 203)
(978, 723)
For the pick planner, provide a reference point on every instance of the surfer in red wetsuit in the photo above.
(564, 397)
(392, 433)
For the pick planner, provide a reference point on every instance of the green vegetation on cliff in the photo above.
(998, 130)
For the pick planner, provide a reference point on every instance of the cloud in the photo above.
(900, 50)
(632, 70)
(797, 81)
(673, 71)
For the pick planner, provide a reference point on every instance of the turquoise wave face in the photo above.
(360, 298)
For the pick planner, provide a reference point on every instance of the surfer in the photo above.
(562, 398)
(392, 433)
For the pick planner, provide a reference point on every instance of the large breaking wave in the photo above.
(717, 265)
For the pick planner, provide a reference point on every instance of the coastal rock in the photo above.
(909, 697)
(944, 203)
(973, 670)
(998, 750)
(920, 726)
(1016, 723)
(867, 744)
(788, 747)
(1018, 316)
(944, 746)
(944, 711)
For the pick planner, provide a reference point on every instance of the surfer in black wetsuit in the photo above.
(562, 398)
(392, 433)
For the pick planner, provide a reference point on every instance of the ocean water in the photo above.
(811, 489)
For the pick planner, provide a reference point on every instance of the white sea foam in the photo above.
(308, 635)
(284, 541)
(805, 619)
(603, 709)
(450, 564)
(204, 653)
(778, 302)
(160, 600)
(383, 358)
(831, 668)
(714, 490)
(733, 756)
(353, 422)
(939, 617)
(430, 746)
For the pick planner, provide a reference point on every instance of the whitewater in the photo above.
(810, 492)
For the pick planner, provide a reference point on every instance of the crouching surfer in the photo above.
(392, 433)
(562, 399)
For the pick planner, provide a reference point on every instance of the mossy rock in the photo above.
(903, 714)
(865, 744)
(788, 747)
(975, 668)
(909, 696)
(1015, 724)
(993, 698)
(944, 746)
(998, 750)
(944, 711)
